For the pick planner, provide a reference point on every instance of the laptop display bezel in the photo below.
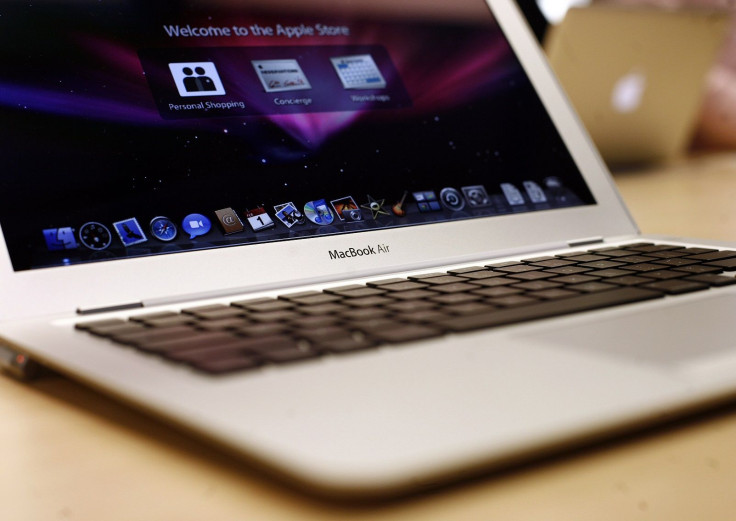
(291, 263)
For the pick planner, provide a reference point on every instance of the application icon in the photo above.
(398, 209)
(535, 192)
(427, 201)
(95, 236)
(281, 75)
(358, 72)
(229, 221)
(163, 229)
(196, 224)
(375, 206)
(130, 232)
(58, 239)
(347, 209)
(451, 199)
(258, 219)
(196, 79)
(318, 212)
(513, 195)
(289, 215)
(476, 196)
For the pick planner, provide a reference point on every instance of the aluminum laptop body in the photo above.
(637, 76)
(160, 158)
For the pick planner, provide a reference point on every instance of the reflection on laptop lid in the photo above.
(636, 76)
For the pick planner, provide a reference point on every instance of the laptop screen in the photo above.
(138, 128)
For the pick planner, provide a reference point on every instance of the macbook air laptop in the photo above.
(636, 76)
(363, 246)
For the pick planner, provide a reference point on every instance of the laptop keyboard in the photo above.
(247, 334)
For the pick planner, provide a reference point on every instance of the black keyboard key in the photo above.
(536, 285)
(84, 326)
(567, 270)
(195, 340)
(416, 294)
(424, 317)
(168, 321)
(222, 325)
(551, 263)
(531, 275)
(713, 255)
(610, 272)
(588, 257)
(356, 342)
(265, 329)
(725, 264)
(499, 291)
(676, 262)
(154, 316)
(676, 286)
(496, 281)
(407, 306)
(549, 309)
(553, 294)
(651, 248)
(575, 279)
(643, 267)
(365, 313)
(470, 308)
(367, 302)
(517, 268)
(273, 316)
(359, 292)
(325, 333)
(384, 282)
(613, 252)
(455, 298)
(151, 335)
(264, 305)
(635, 259)
(714, 280)
(457, 287)
(447, 279)
(407, 285)
(116, 329)
(602, 265)
(628, 280)
(311, 298)
(322, 309)
(698, 269)
(483, 275)
(594, 287)
(512, 301)
(220, 366)
(406, 333)
(663, 274)
(469, 269)
(423, 276)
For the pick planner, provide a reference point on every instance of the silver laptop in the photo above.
(364, 247)
(637, 76)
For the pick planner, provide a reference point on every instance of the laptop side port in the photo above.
(18, 365)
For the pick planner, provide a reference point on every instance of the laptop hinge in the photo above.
(585, 242)
(108, 309)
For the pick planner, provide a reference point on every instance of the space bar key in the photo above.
(548, 309)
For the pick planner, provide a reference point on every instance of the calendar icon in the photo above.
(258, 219)
(358, 72)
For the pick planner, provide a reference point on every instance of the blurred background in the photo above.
(712, 122)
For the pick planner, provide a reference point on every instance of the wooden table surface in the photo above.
(67, 453)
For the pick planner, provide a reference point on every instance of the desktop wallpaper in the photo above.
(133, 128)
